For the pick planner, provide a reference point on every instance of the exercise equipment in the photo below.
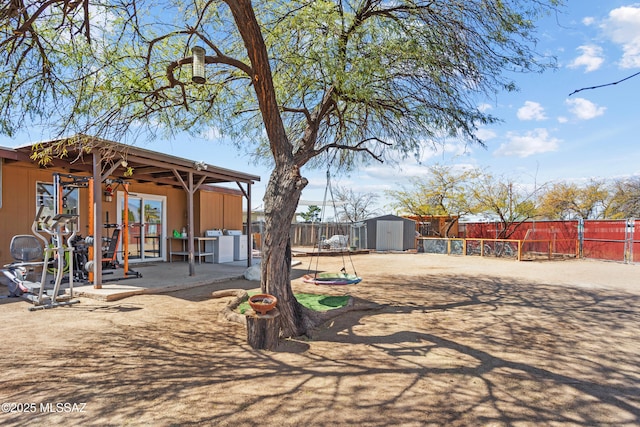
(119, 238)
(26, 250)
(63, 186)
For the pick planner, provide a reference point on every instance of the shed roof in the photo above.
(390, 217)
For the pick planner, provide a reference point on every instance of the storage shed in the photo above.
(391, 233)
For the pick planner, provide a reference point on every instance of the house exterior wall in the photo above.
(232, 213)
(217, 210)
(19, 202)
(212, 208)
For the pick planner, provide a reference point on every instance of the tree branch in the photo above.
(358, 147)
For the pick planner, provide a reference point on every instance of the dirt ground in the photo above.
(435, 341)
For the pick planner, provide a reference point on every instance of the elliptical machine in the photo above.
(26, 250)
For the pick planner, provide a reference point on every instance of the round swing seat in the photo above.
(332, 279)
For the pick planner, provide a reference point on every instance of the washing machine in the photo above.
(222, 247)
(239, 244)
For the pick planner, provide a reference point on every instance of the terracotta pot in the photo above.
(262, 303)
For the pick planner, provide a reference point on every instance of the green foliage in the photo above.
(570, 200)
(443, 191)
(312, 214)
(506, 199)
(346, 75)
(446, 191)
(458, 192)
(625, 200)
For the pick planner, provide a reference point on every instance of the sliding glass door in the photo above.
(147, 219)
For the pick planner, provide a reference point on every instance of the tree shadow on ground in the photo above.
(554, 339)
(437, 350)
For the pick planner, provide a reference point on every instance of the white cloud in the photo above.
(588, 20)
(531, 111)
(485, 134)
(562, 119)
(591, 58)
(532, 142)
(623, 28)
(584, 109)
(435, 150)
(484, 107)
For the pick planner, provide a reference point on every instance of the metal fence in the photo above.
(614, 240)
(611, 240)
(500, 248)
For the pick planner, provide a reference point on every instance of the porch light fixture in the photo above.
(198, 75)
(108, 193)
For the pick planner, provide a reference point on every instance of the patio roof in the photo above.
(117, 158)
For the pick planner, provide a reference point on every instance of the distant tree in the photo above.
(353, 206)
(570, 201)
(505, 199)
(444, 190)
(312, 214)
(625, 200)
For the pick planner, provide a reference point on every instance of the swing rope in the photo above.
(324, 202)
(329, 191)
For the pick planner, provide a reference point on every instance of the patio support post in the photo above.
(190, 188)
(249, 229)
(97, 216)
(190, 191)
(192, 265)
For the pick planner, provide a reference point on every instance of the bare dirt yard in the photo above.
(434, 341)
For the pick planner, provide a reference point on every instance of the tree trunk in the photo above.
(449, 226)
(285, 183)
(280, 201)
(263, 330)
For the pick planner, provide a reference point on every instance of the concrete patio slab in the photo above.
(159, 277)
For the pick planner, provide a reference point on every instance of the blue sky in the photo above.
(546, 135)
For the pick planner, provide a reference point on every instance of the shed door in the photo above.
(389, 235)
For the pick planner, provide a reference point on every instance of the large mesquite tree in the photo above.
(300, 82)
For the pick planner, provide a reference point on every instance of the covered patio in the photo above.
(105, 161)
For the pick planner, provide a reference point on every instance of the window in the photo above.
(45, 196)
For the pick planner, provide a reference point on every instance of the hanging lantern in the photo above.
(198, 65)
